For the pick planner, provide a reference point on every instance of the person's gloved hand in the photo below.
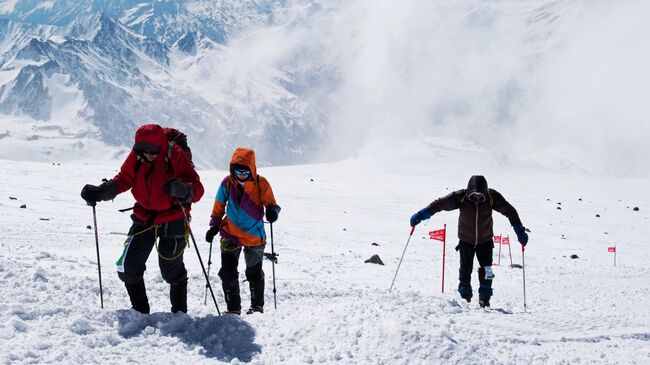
(522, 236)
(92, 193)
(420, 216)
(271, 214)
(179, 190)
(211, 233)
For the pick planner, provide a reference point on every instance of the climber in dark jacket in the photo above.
(476, 204)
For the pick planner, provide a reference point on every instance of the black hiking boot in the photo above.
(178, 297)
(484, 303)
(465, 291)
(233, 311)
(138, 296)
(255, 309)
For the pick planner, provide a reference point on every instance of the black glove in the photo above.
(213, 231)
(179, 190)
(92, 194)
(271, 214)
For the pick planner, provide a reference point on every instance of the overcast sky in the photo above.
(521, 76)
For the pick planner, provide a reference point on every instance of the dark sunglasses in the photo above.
(241, 172)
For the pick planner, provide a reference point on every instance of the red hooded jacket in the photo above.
(147, 183)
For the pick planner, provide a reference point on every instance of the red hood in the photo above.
(152, 134)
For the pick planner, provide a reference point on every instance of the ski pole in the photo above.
(400, 260)
(99, 266)
(205, 299)
(523, 266)
(187, 222)
(275, 304)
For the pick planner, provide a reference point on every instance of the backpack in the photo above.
(174, 137)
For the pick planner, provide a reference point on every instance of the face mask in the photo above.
(476, 197)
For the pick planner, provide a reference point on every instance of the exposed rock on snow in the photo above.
(374, 259)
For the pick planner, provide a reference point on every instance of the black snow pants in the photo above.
(131, 265)
(483, 252)
(230, 276)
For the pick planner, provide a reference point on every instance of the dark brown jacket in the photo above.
(475, 219)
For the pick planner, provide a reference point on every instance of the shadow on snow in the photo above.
(223, 338)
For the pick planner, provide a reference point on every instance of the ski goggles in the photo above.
(241, 172)
(476, 197)
(147, 148)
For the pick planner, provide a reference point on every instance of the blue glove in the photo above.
(420, 216)
(522, 236)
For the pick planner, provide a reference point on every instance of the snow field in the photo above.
(333, 308)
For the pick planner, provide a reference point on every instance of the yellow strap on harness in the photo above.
(155, 227)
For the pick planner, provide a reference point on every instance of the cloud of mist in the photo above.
(524, 77)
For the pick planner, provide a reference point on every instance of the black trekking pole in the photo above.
(523, 266)
(205, 299)
(400, 260)
(187, 221)
(99, 266)
(275, 304)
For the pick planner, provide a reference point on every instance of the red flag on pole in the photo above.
(506, 241)
(612, 249)
(497, 239)
(438, 235)
(441, 235)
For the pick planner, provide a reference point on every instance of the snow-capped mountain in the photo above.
(300, 80)
(117, 64)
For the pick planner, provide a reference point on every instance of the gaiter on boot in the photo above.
(138, 296)
(230, 285)
(255, 277)
(178, 297)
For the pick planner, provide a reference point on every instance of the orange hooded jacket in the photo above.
(243, 206)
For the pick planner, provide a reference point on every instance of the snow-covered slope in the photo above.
(332, 307)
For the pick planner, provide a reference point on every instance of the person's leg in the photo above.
(484, 256)
(466, 252)
(230, 276)
(132, 264)
(254, 257)
(171, 246)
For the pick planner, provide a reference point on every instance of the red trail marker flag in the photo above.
(438, 235)
(612, 249)
(441, 235)
(506, 241)
(497, 239)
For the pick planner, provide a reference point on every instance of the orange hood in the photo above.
(243, 156)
